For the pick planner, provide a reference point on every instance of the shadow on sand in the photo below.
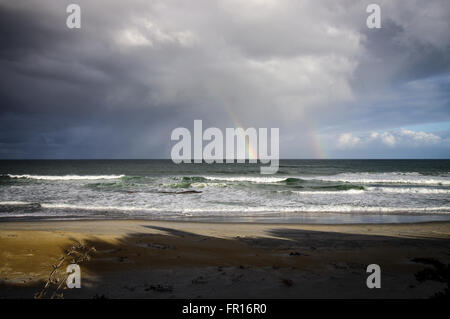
(162, 262)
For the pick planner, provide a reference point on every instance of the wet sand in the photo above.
(156, 259)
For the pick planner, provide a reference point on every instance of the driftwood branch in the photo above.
(56, 281)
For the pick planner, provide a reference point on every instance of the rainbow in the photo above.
(318, 150)
(313, 137)
(252, 153)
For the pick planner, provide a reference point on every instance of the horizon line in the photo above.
(224, 160)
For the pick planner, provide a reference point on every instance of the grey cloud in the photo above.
(138, 69)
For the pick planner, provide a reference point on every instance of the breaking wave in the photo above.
(64, 177)
(293, 209)
(387, 178)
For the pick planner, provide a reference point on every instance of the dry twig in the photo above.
(57, 278)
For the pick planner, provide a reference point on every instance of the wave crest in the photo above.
(64, 177)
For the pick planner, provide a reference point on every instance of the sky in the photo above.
(136, 70)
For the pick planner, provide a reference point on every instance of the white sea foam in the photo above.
(337, 192)
(202, 185)
(388, 178)
(253, 179)
(15, 203)
(411, 178)
(394, 190)
(322, 209)
(65, 209)
(97, 207)
(371, 209)
(259, 209)
(409, 190)
(66, 177)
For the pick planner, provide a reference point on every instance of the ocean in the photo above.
(303, 191)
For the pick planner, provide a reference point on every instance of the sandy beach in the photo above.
(156, 259)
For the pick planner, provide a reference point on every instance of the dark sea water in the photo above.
(303, 191)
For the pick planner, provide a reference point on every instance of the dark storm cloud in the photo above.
(405, 59)
(65, 95)
(138, 69)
